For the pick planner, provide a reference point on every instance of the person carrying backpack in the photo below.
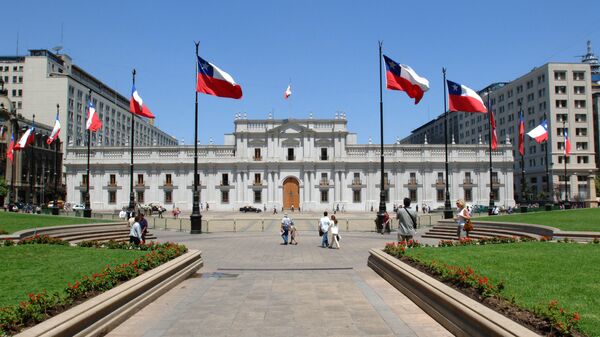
(285, 228)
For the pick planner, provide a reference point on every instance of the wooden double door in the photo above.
(291, 193)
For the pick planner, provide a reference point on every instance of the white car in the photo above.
(78, 207)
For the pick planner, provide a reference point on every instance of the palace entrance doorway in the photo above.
(291, 193)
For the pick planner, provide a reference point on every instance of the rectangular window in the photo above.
(113, 179)
(560, 89)
(257, 180)
(168, 180)
(140, 179)
(140, 197)
(582, 146)
(496, 193)
(168, 197)
(224, 197)
(258, 197)
(356, 196)
(225, 180)
(560, 75)
(561, 103)
(581, 118)
(582, 159)
(581, 131)
(468, 195)
(290, 154)
(323, 153)
(324, 196)
(579, 103)
(579, 90)
(578, 75)
(412, 194)
(561, 159)
(440, 195)
(112, 197)
(257, 155)
(84, 179)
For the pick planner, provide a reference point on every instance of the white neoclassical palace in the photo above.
(312, 164)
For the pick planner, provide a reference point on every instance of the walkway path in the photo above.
(251, 285)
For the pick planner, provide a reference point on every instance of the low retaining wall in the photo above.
(99, 315)
(458, 313)
(58, 229)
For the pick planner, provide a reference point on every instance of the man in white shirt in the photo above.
(135, 234)
(324, 224)
(122, 214)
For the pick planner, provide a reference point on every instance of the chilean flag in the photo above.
(288, 92)
(55, 131)
(27, 138)
(93, 123)
(137, 106)
(567, 143)
(494, 136)
(213, 81)
(10, 149)
(521, 134)
(404, 78)
(463, 98)
(540, 132)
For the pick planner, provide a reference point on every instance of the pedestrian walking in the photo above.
(143, 227)
(461, 218)
(293, 232)
(407, 219)
(285, 228)
(324, 224)
(334, 229)
(135, 233)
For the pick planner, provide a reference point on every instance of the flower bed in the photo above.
(550, 318)
(38, 307)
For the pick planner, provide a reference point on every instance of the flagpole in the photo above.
(523, 199)
(31, 177)
(548, 181)
(131, 207)
(447, 208)
(491, 203)
(87, 212)
(381, 213)
(56, 147)
(196, 217)
(566, 204)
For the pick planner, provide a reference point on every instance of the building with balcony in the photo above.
(312, 164)
(37, 82)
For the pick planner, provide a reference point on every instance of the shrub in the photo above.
(564, 321)
(42, 239)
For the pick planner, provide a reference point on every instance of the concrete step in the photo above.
(117, 237)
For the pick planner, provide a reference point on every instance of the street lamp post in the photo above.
(87, 211)
(55, 208)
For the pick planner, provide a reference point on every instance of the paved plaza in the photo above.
(251, 285)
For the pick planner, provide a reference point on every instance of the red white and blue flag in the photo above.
(540, 132)
(11, 147)
(93, 123)
(404, 78)
(463, 98)
(567, 143)
(213, 81)
(55, 131)
(494, 136)
(521, 134)
(27, 138)
(288, 92)
(137, 106)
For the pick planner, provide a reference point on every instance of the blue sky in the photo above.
(327, 48)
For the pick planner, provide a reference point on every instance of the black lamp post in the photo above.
(131, 207)
(490, 112)
(196, 217)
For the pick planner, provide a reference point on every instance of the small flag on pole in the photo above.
(540, 132)
(288, 92)
(55, 131)
(521, 134)
(494, 136)
(137, 106)
(93, 123)
(213, 81)
(404, 78)
(567, 143)
(27, 138)
(463, 98)
(10, 149)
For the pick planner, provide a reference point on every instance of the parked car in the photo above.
(247, 209)
(60, 203)
(78, 207)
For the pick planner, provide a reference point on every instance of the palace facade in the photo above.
(312, 164)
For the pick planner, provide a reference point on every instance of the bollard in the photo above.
(180, 220)
(262, 225)
(153, 223)
(207, 222)
(234, 226)
(347, 225)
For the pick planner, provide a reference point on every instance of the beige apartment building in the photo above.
(558, 92)
(37, 82)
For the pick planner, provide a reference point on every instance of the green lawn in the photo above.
(33, 268)
(535, 273)
(584, 219)
(14, 222)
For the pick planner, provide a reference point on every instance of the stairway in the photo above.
(447, 231)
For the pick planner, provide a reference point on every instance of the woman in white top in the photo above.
(334, 229)
(461, 217)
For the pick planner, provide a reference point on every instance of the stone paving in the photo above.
(252, 285)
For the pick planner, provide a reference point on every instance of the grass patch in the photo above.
(535, 273)
(13, 222)
(33, 268)
(584, 219)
